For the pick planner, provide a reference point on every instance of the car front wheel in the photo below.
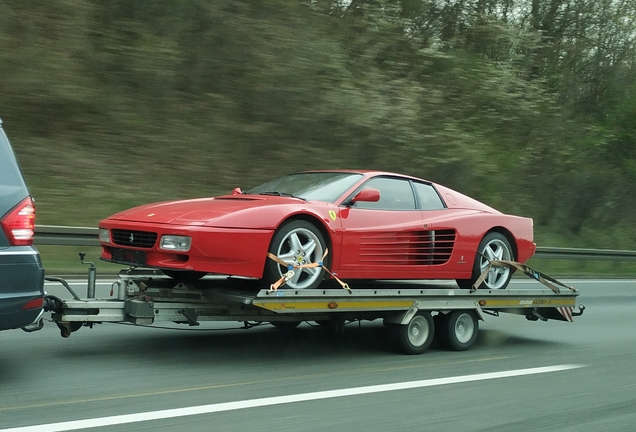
(297, 243)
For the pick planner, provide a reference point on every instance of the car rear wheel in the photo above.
(297, 242)
(494, 246)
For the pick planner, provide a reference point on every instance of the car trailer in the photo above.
(413, 313)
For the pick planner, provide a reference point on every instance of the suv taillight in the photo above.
(19, 224)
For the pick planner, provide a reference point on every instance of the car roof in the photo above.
(451, 197)
(372, 173)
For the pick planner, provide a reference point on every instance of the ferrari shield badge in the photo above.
(332, 215)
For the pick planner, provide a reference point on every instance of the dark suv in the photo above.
(21, 272)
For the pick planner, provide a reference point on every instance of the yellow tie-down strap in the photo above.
(546, 280)
(292, 267)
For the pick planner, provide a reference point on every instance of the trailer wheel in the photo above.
(414, 337)
(457, 330)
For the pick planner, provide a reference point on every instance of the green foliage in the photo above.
(529, 106)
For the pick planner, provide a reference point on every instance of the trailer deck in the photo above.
(413, 312)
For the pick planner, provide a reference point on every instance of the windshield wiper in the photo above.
(285, 194)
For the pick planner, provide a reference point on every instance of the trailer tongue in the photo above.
(413, 313)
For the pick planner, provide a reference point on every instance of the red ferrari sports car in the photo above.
(371, 225)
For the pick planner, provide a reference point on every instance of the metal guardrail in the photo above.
(66, 236)
(585, 254)
(86, 236)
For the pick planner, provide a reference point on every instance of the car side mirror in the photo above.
(366, 195)
(237, 191)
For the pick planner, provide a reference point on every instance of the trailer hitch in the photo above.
(66, 328)
(56, 305)
(53, 304)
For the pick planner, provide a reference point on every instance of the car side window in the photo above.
(395, 194)
(428, 197)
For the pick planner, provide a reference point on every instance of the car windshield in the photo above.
(318, 186)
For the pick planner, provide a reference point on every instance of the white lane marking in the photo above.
(279, 400)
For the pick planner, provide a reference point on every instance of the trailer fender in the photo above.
(404, 317)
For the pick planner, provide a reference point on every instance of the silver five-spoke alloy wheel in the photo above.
(495, 248)
(299, 243)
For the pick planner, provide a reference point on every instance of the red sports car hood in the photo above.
(201, 211)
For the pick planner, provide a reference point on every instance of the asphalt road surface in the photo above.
(520, 375)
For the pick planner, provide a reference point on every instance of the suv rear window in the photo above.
(12, 186)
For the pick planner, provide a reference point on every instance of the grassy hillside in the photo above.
(114, 104)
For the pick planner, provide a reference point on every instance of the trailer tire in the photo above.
(457, 330)
(416, 336)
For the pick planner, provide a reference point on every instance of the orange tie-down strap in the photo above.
(291, 267)
(546, 280)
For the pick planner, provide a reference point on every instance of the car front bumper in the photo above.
(226, 251)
